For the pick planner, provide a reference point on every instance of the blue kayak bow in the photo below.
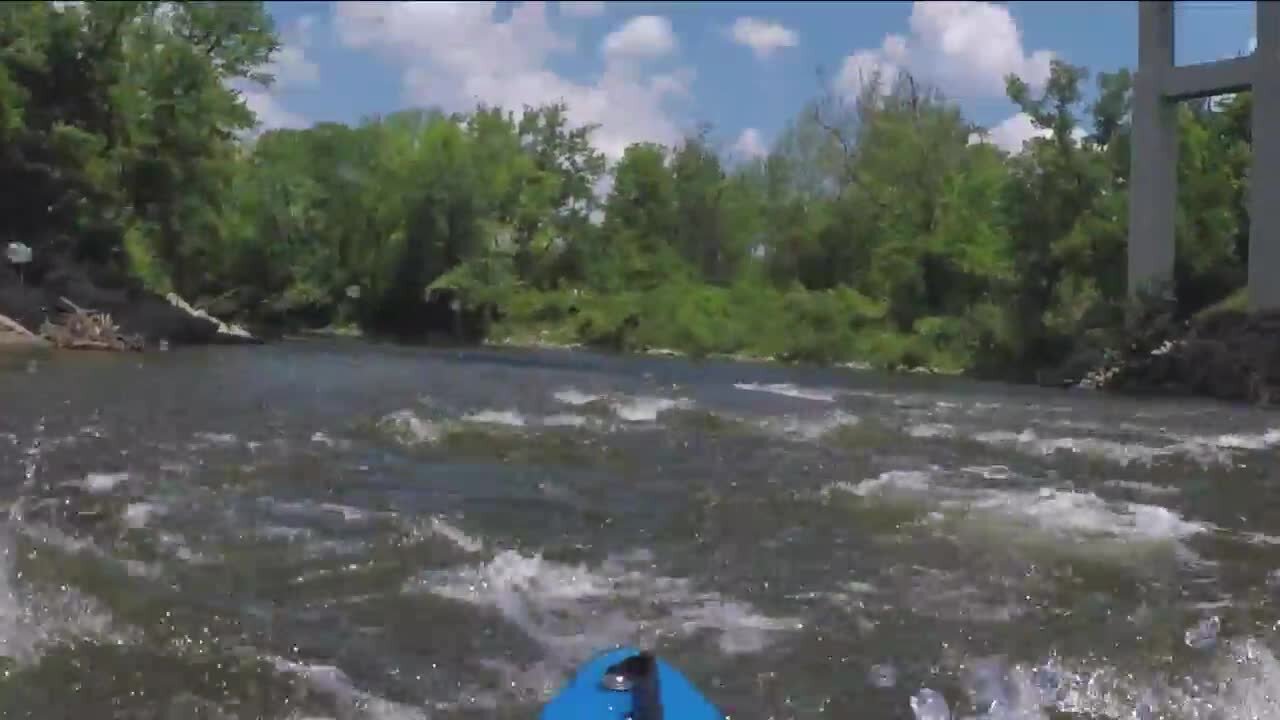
(626, 684)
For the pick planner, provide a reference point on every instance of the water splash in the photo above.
(929, 705)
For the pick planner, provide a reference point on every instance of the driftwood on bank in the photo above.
(82, 329)
(8, 326)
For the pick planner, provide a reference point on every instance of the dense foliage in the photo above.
(876, 229)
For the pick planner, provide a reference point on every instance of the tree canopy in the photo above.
(881, 227)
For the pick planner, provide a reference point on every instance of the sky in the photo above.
(653, 71)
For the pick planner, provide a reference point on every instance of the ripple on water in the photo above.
(331, 681)
(342, 569)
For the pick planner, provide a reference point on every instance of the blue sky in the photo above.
(651, 70)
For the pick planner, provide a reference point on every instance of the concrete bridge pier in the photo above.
(1264, 205)
(1153, 181)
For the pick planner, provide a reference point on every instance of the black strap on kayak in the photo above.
(641, 671)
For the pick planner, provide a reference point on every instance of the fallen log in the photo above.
(81, 329)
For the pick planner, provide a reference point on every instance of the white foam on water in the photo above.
(574, 610)
(216, 439)
(98, 483)
(456, 535)
(1239, 681)
(348, 513)
(642, 409)
(1256, 441)
(1066, 520)
(1002, 692)
(1122, 453)
(929, 705)
(507, 418)
(320, 437)
(1249, 680)
(931, 430)
(565, 420)
(789, 390)
(1142, 488)
(137, 515)
(1082, 515)
(573, 396)
(330, 680)
(811, 429)
(178, 548)
(989, 472)
(410, 429)
(894, 482)
(870, 394)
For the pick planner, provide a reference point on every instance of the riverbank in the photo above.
(74, 307)
(744, 322)
(1224, 353)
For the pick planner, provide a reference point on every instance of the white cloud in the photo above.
(1010, 134)
(862, 67)
(1013, 132)
(272, 114)
(1253, 44)
(290, 65)
(644, 36)
(764, 37)
(454, 55)
(292, 70)
(965, 47)
(582, 8)
(750, 144)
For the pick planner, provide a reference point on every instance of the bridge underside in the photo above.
(1158, 86)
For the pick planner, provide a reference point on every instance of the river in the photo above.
(325, 529)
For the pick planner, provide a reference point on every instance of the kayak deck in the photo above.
(616, 685)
